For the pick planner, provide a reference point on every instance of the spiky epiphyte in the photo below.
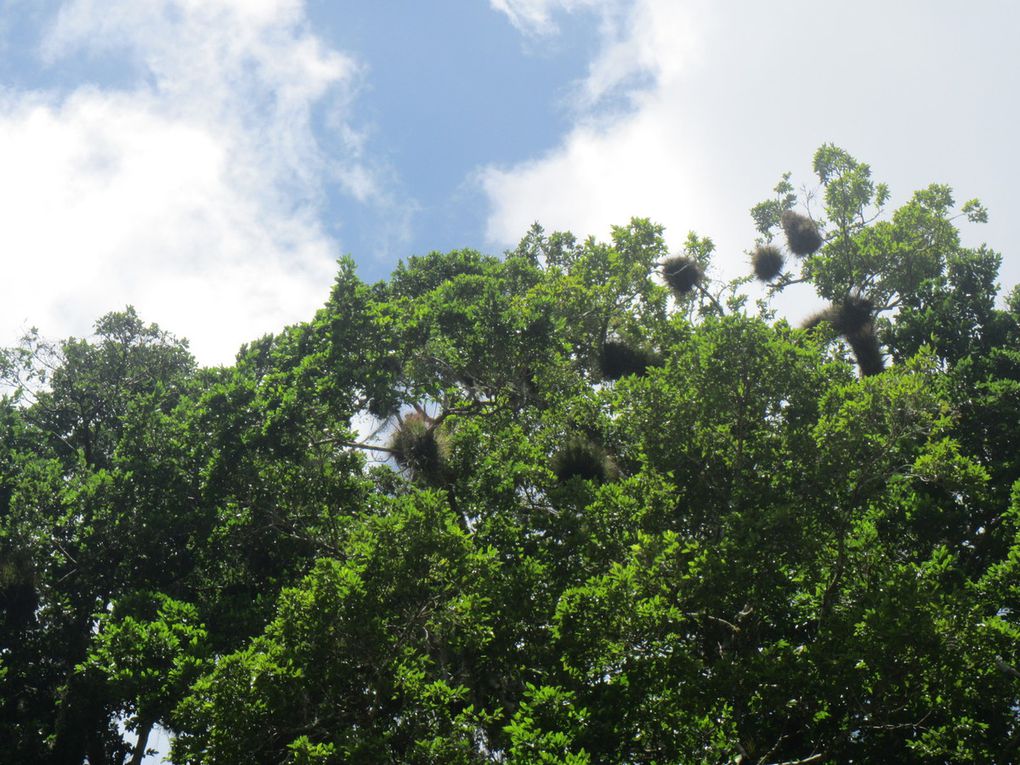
(767, 261)
(682, 274)
(417, 446)
(620, 359)
(801, 233)
(580, 458)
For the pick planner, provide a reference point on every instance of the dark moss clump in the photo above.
(580, 458)
(852, 315)
(767, 261)
(682, 274)
(619, 359)
(801, 233)
(417, 446)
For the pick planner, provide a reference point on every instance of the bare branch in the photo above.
(705, 293)
(803, 761)
(718, 620)
(353, 444)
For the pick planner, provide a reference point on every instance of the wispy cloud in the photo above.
(628, 148)
(532, 17)
(642, 41)
(195, 192)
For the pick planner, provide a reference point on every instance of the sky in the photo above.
(207, 161)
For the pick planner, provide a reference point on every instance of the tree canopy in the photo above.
(580, 503)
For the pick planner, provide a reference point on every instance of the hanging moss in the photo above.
(767, 261)
(682, 274)
(419, 447)
(581, 458)
(815, 319)
(801, 233)
(619, 359)
(847, 317)
(867, 351)
(853, 319)
(852, 315)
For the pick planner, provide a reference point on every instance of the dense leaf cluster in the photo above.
(571, 505)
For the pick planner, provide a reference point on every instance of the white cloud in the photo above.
(691, 111)
(638, 166)
(193, 194)
(615, 163)
(642, 38)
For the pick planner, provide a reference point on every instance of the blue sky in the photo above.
(208, 160)
(447, 87)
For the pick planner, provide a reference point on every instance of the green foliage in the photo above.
(601, 513)
(92, 384)
(370, 658)
(148, 651)
(543, 729)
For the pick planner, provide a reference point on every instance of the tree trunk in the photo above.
(144, 729)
